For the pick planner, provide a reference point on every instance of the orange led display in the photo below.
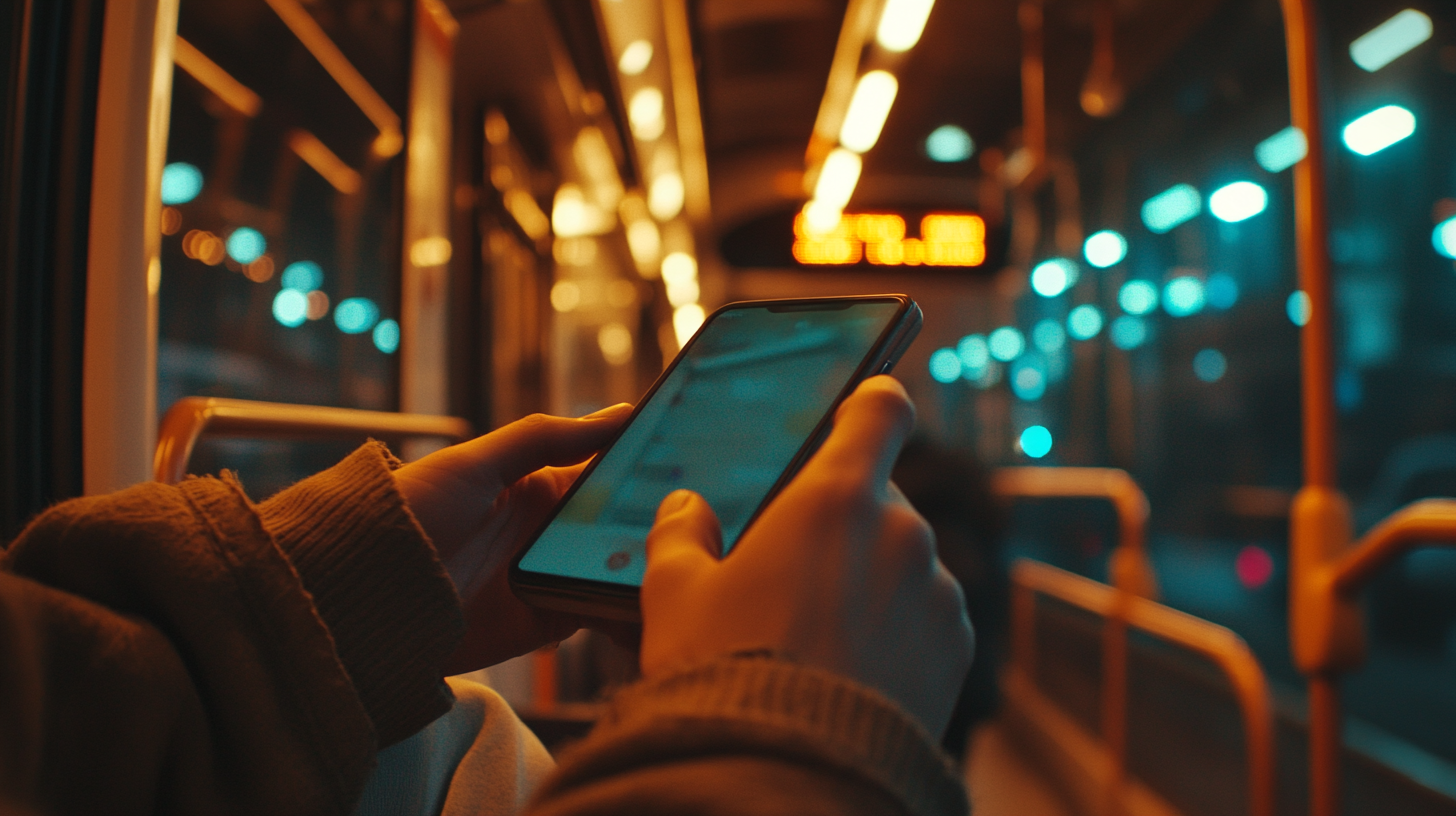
(946, 239)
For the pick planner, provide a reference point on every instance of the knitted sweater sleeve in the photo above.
(753, 735)
(181, 649)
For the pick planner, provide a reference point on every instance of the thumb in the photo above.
(685, 539)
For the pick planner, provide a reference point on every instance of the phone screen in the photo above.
(726, 422)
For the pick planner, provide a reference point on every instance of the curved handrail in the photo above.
(191, 417)
(1429, 520)
(1219, 644)
(1130, 569)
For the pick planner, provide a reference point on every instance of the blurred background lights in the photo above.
(644, 113)
(1128, 332)
(1221, 291)
(685, 322)
(973, 351)
(1006, 344)
(1084, 322)
(318, 305)
(1183, 296)
(1238, 201)
(1382, 44)
(290, 307)
(869, 106)
(1298, 308)
(305, 276)
(1443, 237)
(181, 182)
(246, 245)
(945, 365)
(1138, 297)
(1171, 207)
(1254, 566)
(949, 144)
(386, 336)
(356, 315)
(1036, 441)
(1281, 151)
(1049, 336)
(901, 24)
(1104, 248)
(1379, 129)
(1028, 379)
(1209, 365)
(1053, 277)
(635, 57)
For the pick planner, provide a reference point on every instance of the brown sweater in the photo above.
(178, 649)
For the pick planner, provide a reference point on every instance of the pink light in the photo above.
(1254, 566)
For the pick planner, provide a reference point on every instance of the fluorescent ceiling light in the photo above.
(901, 24)
(1382, 44)
(868, 109)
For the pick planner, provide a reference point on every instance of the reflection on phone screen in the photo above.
(726, 423)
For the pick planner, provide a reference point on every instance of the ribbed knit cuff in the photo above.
(377, 585)
(768, 706)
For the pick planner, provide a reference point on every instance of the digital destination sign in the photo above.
(946, 239)
(883, 240)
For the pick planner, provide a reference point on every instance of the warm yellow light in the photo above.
(644, 113)
(821, 218)
(685, 322)
(565, 296)
(645, 243)
(635, 57)
(324, 161)
(665, 198)
(947, 239)
(679, 267)
(901, 24)
(868, 108)
(433, 251)
(615, 341)
(573, 216)
(523, 207)
(838, 177)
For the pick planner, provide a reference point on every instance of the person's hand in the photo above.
(479, 501)
(839, 572)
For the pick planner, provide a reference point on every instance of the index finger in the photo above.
(870, 427)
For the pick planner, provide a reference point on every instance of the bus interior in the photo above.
(1188, 274)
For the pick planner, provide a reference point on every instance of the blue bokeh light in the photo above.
(1221, 291)
(949, 144)
(386, 336)
(1183, 296)
(1209, 365)
(1029, 378)
(290, 307)
(1171, 207)
(1104, 248)
(305, 276)
(356, 315)
(1006, 344)
(1049, 336)
(945, 365)
(1298, 307)
(1053, 277)
(246, 245)
(1443, 237)
(1036, 441)
(1084, 322)
(1138, 297)
(181, 182)
(1129, 332)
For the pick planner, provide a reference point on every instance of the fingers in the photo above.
(870, 427)
(538, 441)
(685, 539)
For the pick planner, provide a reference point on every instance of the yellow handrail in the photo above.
(1130, 568)
(191, 417)
(1122, 610)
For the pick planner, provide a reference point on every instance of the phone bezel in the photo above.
(621, 601)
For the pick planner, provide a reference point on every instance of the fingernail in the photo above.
(610, 410)
(675, 501)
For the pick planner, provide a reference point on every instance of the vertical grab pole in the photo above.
(1323, 642)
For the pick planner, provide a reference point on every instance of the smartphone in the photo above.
(734, 417)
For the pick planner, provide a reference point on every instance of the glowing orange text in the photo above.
(945, 240)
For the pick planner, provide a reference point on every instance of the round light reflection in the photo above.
(1006, 344)
(1138, 297)
(246, 245)
(1036, 441)
(1084, 322)
(1104, 248)
(945, 365)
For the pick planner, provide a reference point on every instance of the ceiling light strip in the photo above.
(324, 161)
(859, 22)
